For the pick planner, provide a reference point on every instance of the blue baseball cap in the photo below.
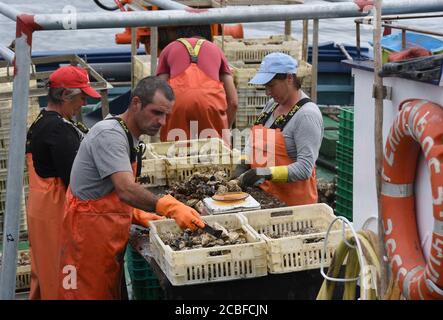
(272, 64)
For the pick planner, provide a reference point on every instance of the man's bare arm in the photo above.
(133, 193)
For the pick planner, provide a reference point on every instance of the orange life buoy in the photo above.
(417, 127)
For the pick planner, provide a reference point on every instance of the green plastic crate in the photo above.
(345, 180)
(145, 285)
(346, 134)
(345, 192)
(345, 150)
(339, 200)
(347, 113)
(343, 210)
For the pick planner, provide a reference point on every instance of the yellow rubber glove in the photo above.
(256, 176)
(279, 174)
(142, 218)
(184, 216)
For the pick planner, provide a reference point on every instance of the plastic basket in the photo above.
(300, 252)
(23, 278)
(215, 264)
(246, 116)
(344, 176)
(243, 73)
(255, 49)
(23, 222)
(343, 210)
(145, 285)
(177, 161)
(252, 97)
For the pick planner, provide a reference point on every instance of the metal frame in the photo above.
(27, 24)
(389, 23)
(99, 84)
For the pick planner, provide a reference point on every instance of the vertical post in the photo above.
(154, 49)
(314, 61)
(133, 54)
(105, 103)
(378, 140)
(288, 30)
(403, 39)
(357, 35)
(305, 48)
(16, 159)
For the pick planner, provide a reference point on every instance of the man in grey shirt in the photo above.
(103, 194)
(285, 140)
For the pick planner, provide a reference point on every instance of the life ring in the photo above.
(417, 127)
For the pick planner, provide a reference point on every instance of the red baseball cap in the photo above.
(72, 77)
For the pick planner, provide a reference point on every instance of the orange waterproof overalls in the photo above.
(46, 201)
(269, 149)
(94, 237)
(198, 98)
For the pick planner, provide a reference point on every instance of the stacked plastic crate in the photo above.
(5, 127)
(245, 56)
(344, 158)
(145, 285)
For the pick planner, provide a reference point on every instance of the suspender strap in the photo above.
(281, 121)
(193, 51)
(135, 152)
(29, 134)
(78, 125)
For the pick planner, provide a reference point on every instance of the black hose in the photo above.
(104, 7)
(326, 164)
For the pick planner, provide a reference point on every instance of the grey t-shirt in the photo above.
(303, 135)
(104, 151)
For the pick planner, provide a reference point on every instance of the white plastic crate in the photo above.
(243, 73)
(215, 264)
(252, 97)
(253, 50)
(246, 116)
(299, 252)
(176, 161)
(23, 220)
(3, 179)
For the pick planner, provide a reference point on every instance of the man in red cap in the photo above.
(52, 143)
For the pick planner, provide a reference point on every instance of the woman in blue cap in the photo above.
(285, 140)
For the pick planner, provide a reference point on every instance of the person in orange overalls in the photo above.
(198, 72)
(52, 143)
(285, 140)
(103, 194)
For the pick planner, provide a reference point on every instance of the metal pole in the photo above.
(230, 14)
(7, 54)
(105, 103)
(154, 49)
(9, 11)
(378, 141)
(305, 47)
(314, 60)
(14, 186)
(208, 16)
(288, 30)
(133, 54)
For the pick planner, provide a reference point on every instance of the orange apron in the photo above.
(94, 237)
(46, 202)
(198, 98)
(272, 152)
